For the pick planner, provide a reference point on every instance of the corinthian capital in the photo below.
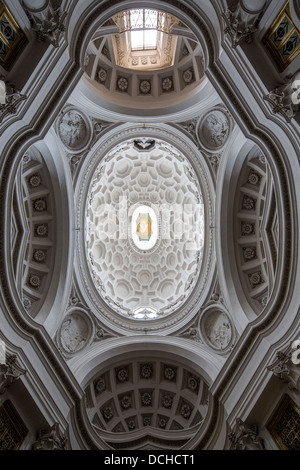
(46, 18)
(242, 21)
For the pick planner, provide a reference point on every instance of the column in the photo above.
(242, 22)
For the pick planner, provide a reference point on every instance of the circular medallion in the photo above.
(74, 332)
(216, 328)
(73, 129)
(213, 130)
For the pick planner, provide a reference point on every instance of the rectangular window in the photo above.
(142, 40)
(283, 39)
(12, 38)
(12, 428)
(143, 29)
(284, 426)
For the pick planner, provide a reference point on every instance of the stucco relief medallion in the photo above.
(73, 129)
(216, 329)
(74, 332)
(214, 129)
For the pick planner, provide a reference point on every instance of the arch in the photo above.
(86, 367)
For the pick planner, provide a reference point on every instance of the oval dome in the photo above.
(144, 232)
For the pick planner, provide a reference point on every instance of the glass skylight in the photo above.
(143, 29)
(144, 227)
(142, 40)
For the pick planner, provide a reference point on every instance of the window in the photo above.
(12, 38)
(143, 29)
(285, 425)
(144, 227)
(283, 39)
(144, 40)
(12, 428)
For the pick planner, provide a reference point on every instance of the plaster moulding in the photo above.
(74, 129)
